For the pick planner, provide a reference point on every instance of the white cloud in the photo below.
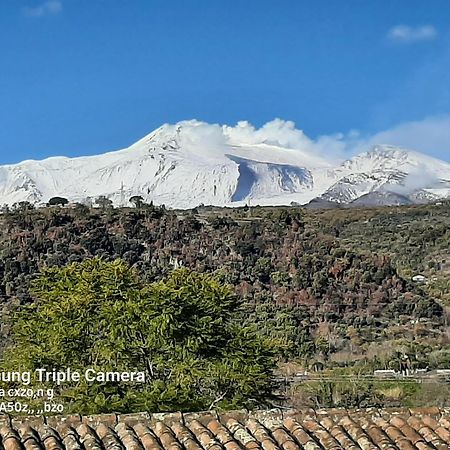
(430, 135)
(202, 135)
(419, 178)
(277, 132)
(48, 8)
(284, 133)
(406, 34)
(213, 140)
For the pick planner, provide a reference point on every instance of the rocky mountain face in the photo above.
(388, 175)
(183, 166)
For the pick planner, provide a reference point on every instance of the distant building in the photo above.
(419, 279)
(388, 373)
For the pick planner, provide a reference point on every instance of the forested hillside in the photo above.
(333, 288)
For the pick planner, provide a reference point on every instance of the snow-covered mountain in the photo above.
(191, 163)
(389, 169)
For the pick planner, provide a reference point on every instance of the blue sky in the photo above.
(85, 76)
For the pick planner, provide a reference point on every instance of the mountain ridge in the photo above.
(192, 163)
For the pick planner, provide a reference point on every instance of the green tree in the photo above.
(182, 332)
(137, 201)
(55, 201)
(103, 202)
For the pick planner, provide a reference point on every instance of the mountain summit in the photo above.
(191, 163)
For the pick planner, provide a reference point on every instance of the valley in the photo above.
(333, 290)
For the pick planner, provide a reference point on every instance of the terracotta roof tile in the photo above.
(204, 436)
(284, 439)
(70, 438)
(223, 435)
(339, 433)
(412, 435)
(10, 438)
(378, 436)
(166, 436)
(88, 437)
(147, 437)
(325, 438)
(262, 435)
(109, 438)
(428, 433)
(333, 429)
(242, 435)
(301, 435)
(395, 434)
(50, 438)
(29, 437)
(440, 430)
(186, 437)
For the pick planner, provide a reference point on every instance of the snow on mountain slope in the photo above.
(172, 166)
(354, 185)
(388, 157)
(389, 169)
(190, 163)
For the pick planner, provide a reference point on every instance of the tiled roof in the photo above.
(370, 429)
